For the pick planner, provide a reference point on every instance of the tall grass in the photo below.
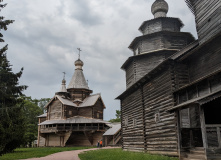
(118, 154)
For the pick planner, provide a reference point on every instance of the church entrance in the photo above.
(190, 128)
(212, 112)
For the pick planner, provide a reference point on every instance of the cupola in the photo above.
(159, 8)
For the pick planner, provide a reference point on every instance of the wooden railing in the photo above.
(213, 132)
(70, 128)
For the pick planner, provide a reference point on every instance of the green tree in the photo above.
(118, 117)
(32, 110)
(12, 120)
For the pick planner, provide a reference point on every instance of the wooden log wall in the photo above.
(206, 61)
(181, 75)
(161, 131)
(70, 111)
(162, 23)
(162, 40)
(55, 110)
(85, 111)
(132, 122)
(142, 65)
(208, 15)
(145, 64)
(98, 110)
(130, 75)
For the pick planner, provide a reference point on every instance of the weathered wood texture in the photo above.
(208, 15)
(70, 111)
(148, 106)
(132, 122)
(98, 110)
(206, 61)
(161, 132)
(55, 110)
(141, 65)
(85, 111)
(161, 40)
(161, 24)
(41, 141)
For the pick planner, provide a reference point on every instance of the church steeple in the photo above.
(78, 79)
(63, 90)
(63, 85)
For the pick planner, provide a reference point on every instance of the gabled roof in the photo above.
(87, 102)
(74, 120)
(91, 100)
(43, 115)
(113, 130)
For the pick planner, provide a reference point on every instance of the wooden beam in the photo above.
(203, 128)
(178, 133)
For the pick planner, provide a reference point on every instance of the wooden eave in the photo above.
(80, 89)
(147, 77)
(160, 33)
(197, 81)
(160, 18)
(145, 54)
(185, 50)
(200, 100)
(198, 47)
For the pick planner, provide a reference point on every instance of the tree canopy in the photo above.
(12, 120)
(118, 117)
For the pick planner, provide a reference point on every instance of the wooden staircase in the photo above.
(197, 153)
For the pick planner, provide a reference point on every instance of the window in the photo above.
(126, 121)
(134, 122)
(157, 117)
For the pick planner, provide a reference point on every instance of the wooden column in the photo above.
(38, 132)
(219, 136)
(203, 130)
(203, 127)
(178, 133)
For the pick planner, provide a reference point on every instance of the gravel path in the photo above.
(67, 155)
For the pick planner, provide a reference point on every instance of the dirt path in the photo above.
(67, 155)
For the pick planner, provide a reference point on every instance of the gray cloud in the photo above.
(45, 35)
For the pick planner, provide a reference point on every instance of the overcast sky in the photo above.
(46, 34)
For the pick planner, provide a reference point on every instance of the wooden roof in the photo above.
(74, 120)
(113, 130)
(87, 102)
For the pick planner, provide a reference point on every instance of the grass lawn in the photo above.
(118, 154)
(24, 153)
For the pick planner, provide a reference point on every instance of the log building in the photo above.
(74, 117)
(172, 102)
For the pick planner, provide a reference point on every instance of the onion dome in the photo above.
(78, 64)
(63, 86)
(159, 8)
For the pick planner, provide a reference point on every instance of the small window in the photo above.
(157, 117)
(134, 122)
(126, 121)
(70, 113)
(98, 115)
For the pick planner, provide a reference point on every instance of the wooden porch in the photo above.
(71, 127)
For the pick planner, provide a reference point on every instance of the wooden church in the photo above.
(74, 116)
(172, 103)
